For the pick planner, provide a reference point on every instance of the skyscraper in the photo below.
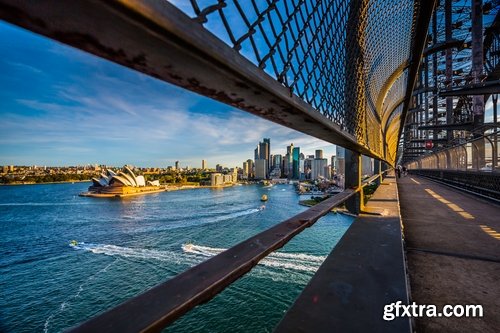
(261, 169)
(289, 161)
(265, 151)
(204, 164)
(296, 163)
(176, 165)
(318, 168)
(277, 161)
(246, 173)
(340, 166)
(268, 153)
(250, 168)
(319, 154)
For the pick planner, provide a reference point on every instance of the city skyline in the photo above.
(60, 106)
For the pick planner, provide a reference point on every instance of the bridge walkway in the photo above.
(363, 273)
(453, 251)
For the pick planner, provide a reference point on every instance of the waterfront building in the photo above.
(340, 166)
(318, 168)
(289, 161)
(334, 162)
(308, 166)
(263, 152)
(124, 182)
(260, 169)
(216, 179)
(328, 171)
(218, 168)
(203, 164)
(277, 160)
(301, 168)
(234, 174)
(267, 156)
(284, 166)
(295, 163)
(251, 167)
(246, 173)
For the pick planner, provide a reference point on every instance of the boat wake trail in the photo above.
(194, 254)
(232, 215)
(294, 261)
(134, 253)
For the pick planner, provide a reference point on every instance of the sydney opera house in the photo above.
(123, 183)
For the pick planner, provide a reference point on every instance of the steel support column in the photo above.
(434, 77)
(477, 76)
(494, 99)
(377, 169)
(477, 58)
(353, 174)
(449, 68)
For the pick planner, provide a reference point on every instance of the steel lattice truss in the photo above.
(346, 59)
(447, 120)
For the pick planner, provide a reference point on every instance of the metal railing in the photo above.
(480, 154)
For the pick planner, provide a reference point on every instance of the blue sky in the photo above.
(61, 106)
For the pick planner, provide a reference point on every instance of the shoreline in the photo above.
(164, 188)
(61, 182)
(109, 195)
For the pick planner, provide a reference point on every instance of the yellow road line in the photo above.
(457, 209)
(492, 232)
(415, 181)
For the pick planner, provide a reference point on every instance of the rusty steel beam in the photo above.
(161, 305)
(483, 88)
(446, 45)
(157, 39)
(449, 127)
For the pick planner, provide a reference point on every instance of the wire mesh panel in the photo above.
(335, 55)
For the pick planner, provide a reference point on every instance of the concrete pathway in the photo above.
(453, 252)
(363, 274)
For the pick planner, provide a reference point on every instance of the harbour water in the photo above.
(128, 245)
